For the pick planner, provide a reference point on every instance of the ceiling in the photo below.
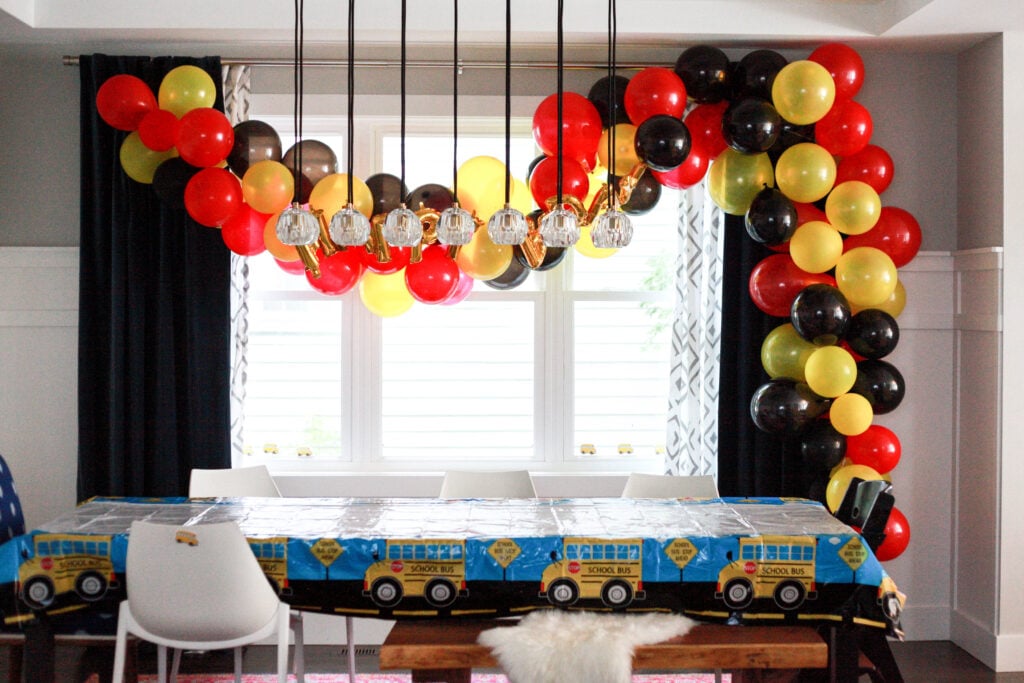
(265, 28)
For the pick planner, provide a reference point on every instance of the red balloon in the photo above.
(212, 196)
(775, 282)
(158, 130)
(296, 267)
(581, 128)
(544, 180)
(654, 90)
(897, 536)
(705, 125)
(845, 66)
(435, 278)
(686, 174)
(808, 212)
(462, 290)
(123, 100)
(205, 137)
(897, 233)
(339, 272)
(399, 259)
(846, 128)
(871, 165)
(878, 447)
(243, 231)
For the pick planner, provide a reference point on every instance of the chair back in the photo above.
(196, 583)
(469, 484)
(641, 485)
(12, 518)
(233, 482)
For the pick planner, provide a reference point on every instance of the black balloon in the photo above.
(873, 333)
(881, 384)
(313, 161)
(388, 192)
(785, 406)
(644, 197)
(254, 141)
(514, 275)
(755, 73)
(751, 125)
(533, 165)
(662, 142)
(598, 96)
(552, 257)
(821, 446)
(170, 179)
(430, 196)
(820, 314)
(705, 72)
(771, 218)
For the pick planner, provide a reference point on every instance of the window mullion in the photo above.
(363, 392)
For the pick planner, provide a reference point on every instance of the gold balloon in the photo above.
(185, 88)
(784, 353)
(830, 371)
(853, 207)
(850, 414)
(482, 259)
(268, 186)
(866, 276)
(805, 172)
(585, 245)
(625, 149)
(138, 161)
(330, 195)
(803, 91)
(734, 179)
(840, 482)
(386, 295)
(481, 183)
(815, 247)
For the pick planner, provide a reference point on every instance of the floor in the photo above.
(920, 662)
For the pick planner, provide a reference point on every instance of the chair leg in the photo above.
(299, 658)
(238, 664)
(175, 664)
(350, 638)
(120, 645)
(282, 643)
(161, 663)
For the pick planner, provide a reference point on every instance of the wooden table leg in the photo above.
(442, 676)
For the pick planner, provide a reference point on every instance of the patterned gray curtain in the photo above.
(237, 92)
(692, 436)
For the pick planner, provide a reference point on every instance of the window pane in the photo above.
(458, 382)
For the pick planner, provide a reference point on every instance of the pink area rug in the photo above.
(406, 678)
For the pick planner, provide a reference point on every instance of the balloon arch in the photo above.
(782, 143)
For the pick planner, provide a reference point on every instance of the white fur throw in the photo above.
(555, 646)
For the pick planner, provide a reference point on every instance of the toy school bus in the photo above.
(434, 569)
(595, 568)
(272, 556)
(66, 562)
(779, 567)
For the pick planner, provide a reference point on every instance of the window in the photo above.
(568, 371)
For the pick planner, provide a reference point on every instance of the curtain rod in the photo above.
(70, 60)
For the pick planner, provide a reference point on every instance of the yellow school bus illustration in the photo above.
(595, 568)
(66, 562)
(272, 556)
(779, 567)
(434, 569)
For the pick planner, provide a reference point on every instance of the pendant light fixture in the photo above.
(508, 225)
(455, 226)
(402, 227)
(612, 229)
(349, 227)
(296, 226)
(559, 227)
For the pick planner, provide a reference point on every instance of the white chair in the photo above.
(199, 587)
(482, 484)
(233, 482)
(640, 485)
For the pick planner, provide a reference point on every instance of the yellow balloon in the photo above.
(830, 371)
(585, 245)
(277, 248)
(803, 92)
(853, 207)
(866, 276)
(851, 414)
(385, 296)
(735, 178)
(838, 484)
(482, 259)
(520, 198)
(815, 247)
(597, 179)
(805, 172)
(481, 183)
(624, 146)
(784, 353)
(138, 161)
(893, 305)
(185, 88)
(268, 186)
(330, 195)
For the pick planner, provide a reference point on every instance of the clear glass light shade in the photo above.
(611, 230)
(402, 228)
(455, 226)
(296, 226)
(349, 228)
(559, 228)
(507, 226)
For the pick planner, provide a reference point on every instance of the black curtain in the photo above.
(154, 319)
(750, 462)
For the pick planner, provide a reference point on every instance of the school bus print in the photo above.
(777, 567)
(595, 568)
(62, 563)
(272, 556)
(433, 569)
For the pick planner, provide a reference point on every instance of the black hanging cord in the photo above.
(297, 100)
(351, 92)
(455, 105)
(558, 144)
(403, 94)
(612, 114)
(508, 99)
